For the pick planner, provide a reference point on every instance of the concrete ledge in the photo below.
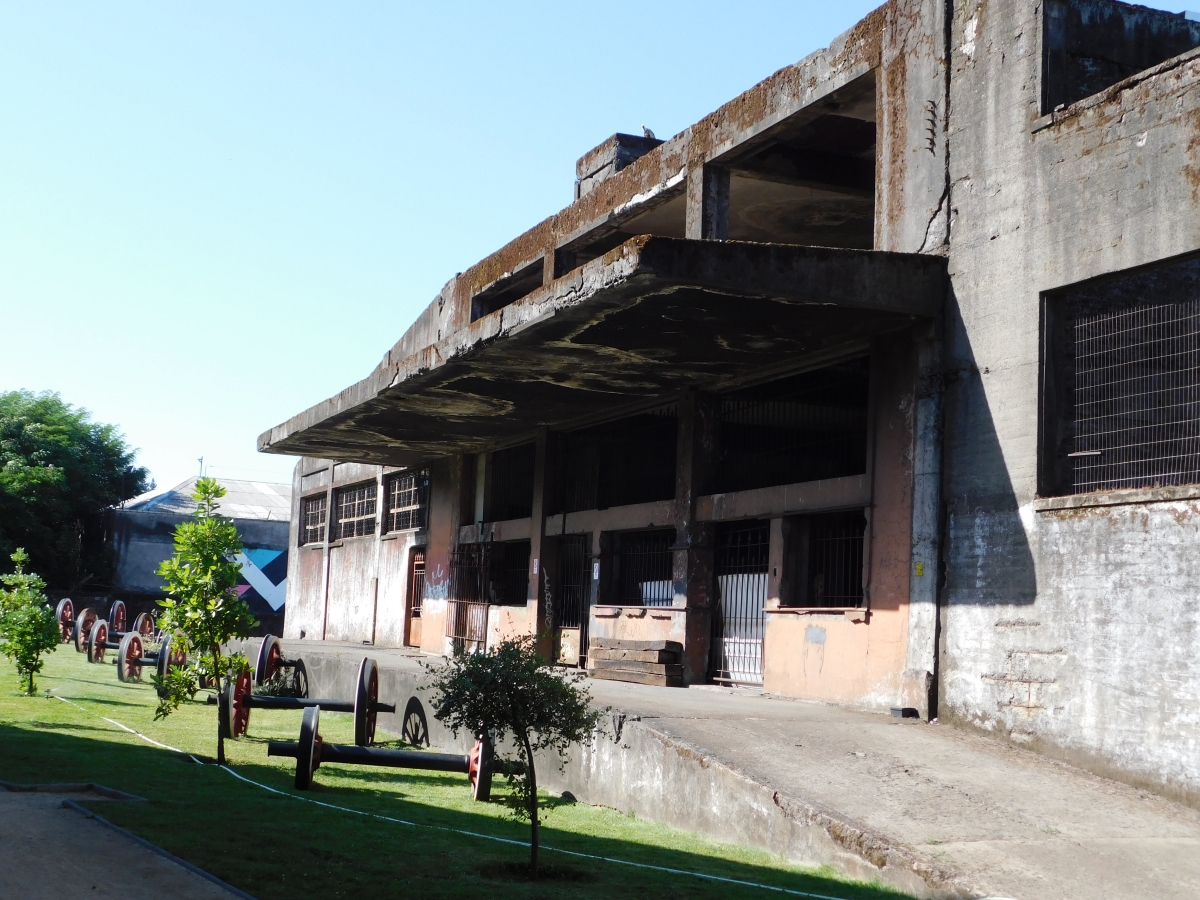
(1118, 498)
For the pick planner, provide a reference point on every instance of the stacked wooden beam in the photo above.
(643, 662)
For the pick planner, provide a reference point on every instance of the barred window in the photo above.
(407, 501)
(806, 427)
(1121, 383)
(644, 565)
(355, 507)
(312, 518)
(823, 560)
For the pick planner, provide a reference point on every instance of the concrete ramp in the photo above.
(927, 808)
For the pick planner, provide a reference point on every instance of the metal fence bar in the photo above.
(1137, 397)
(644, 569)
(743, 553)
(572, 583)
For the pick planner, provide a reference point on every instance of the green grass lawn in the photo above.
(279, 848)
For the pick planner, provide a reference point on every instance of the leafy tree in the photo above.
(203, 610)
(510, 691)
(59, 471)
(28, 627)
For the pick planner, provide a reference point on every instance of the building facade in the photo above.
(878, 385)
(142, 535)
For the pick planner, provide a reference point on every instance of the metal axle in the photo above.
(374, 756)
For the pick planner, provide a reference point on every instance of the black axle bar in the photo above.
(255, 701)
(373, 756)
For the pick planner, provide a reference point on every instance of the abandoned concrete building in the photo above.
(878, 385)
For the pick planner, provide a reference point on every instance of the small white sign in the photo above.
(596, 570)
(535, 562)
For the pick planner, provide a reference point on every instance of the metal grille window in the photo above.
(355, 508)
(631, 460)
(572, 584)
(407, 498)
(312, 518)
(644, 569)
(1122, 384)
(496, 573)
(802, 428)
(743, 551)
(510, 484)
(835, 560)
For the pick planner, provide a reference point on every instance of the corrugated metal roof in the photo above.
(243, 500)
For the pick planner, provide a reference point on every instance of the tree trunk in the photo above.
(531, 776)
(216, 658)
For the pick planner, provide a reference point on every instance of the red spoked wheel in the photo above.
(83, 628)
(65, 613)
(479, 769)
(237, 710)
(116, 617)
(96, 641)
(308, 748)
(129, 658)
(366, 703)
(270, 659)
(143, 624)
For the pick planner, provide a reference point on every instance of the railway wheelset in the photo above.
(310, 751)
(77, 625)
(238, 698)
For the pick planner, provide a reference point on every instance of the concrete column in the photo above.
(692, 565)
(921, 664)
(707, 203)
(540, 594)
(451, 502)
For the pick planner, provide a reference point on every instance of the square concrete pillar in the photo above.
(694, 547)
(706, 215)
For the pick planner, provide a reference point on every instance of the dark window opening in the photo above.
(823, 560)
(509, 483)
(572, 585)
(495, 573)
(355, 510)
(643, 564)
(312, 517)
(803, 428)
(742, 563)
(631, 460)
(506, 290)
(407, 501)
(811, 180)
(1121, 383)
(1090, 45)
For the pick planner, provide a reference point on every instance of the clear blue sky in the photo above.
(215, 215)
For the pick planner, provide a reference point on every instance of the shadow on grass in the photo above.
(274, 847)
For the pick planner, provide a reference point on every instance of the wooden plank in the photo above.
(615, 644)
(652, 656)
(637, 677)
(629, 665)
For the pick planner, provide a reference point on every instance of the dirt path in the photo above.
(49, 852)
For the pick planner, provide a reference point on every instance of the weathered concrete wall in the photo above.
(355, 589)
(1073, 633)
(854, 657)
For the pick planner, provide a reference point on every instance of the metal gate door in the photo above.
(742, 563)
(571, 588)
(416, 596)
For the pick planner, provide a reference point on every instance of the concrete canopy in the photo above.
(649, 318)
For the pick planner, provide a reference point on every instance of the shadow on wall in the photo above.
(988, 560)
